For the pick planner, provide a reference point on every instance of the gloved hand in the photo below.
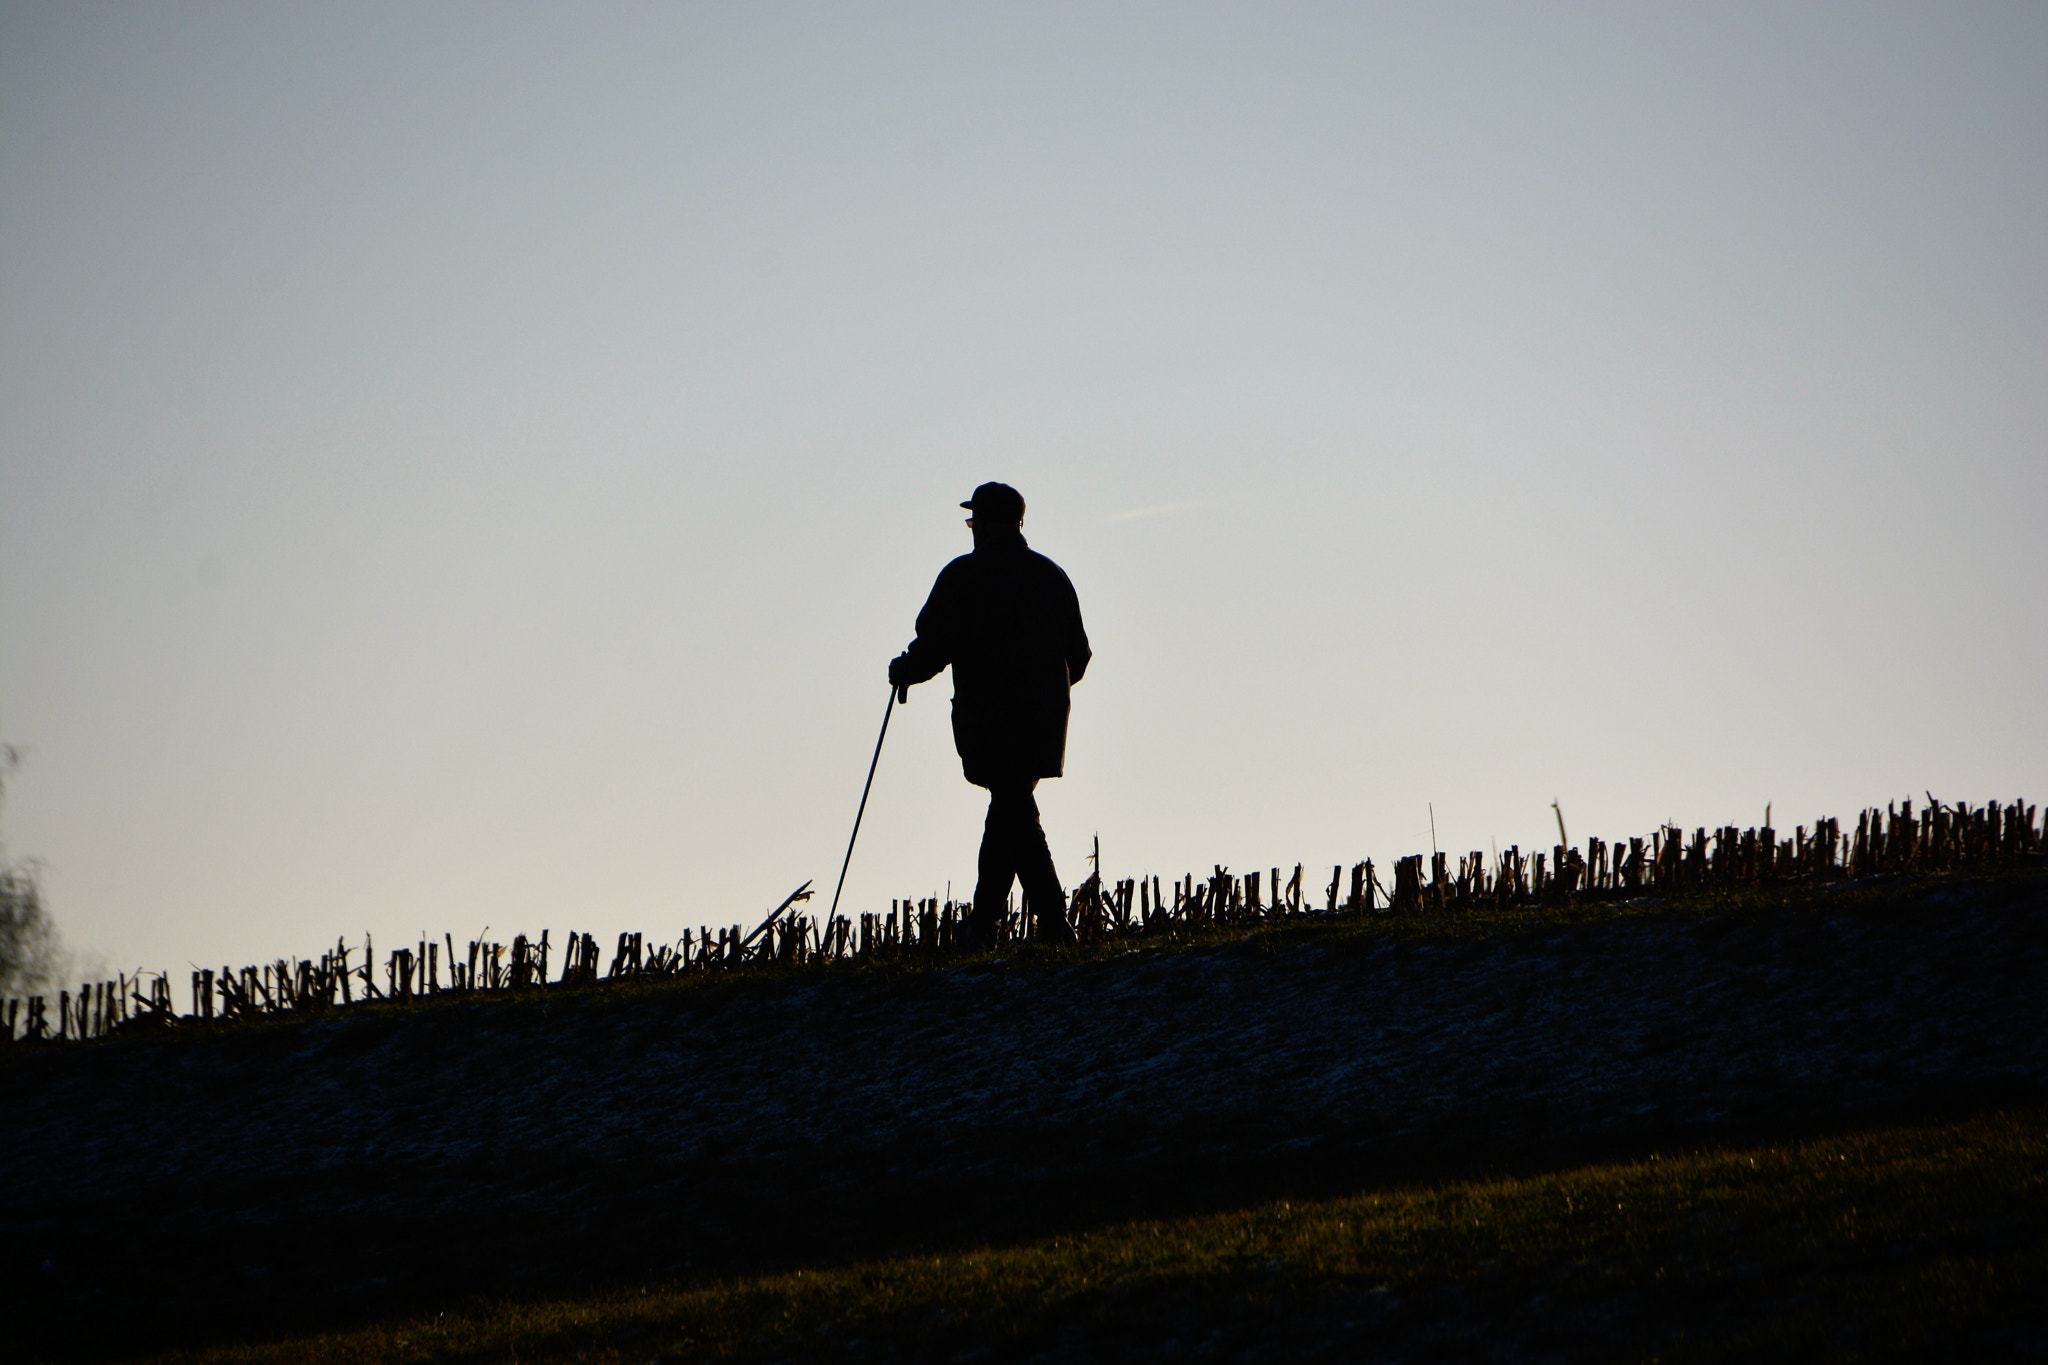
(899, 672)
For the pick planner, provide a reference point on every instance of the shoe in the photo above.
(1052, 927)
(975, 933)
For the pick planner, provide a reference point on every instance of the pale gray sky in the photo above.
(471, 464)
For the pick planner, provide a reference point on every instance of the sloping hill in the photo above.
(280, 1178)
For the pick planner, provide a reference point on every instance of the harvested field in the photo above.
(314, 1174)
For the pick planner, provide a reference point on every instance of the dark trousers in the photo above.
(1013, 847)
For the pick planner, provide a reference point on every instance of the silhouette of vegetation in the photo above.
(1793, 1120)
(1728, 863)
(28, 942)
(1688, 1101)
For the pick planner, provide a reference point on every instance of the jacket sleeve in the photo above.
(937, 629)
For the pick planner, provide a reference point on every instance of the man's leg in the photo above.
(1041, 882)
(1013, 847)
(995, 871)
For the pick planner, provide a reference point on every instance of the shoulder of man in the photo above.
(957, 568)
(954, 585)
(1049, 569)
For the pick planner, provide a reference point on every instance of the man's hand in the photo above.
(899, 673)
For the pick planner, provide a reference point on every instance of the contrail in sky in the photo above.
(1163, 509)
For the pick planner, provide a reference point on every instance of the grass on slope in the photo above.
(1916, 1240)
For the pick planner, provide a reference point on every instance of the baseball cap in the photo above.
(997, 501)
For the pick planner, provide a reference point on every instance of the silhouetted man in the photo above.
(1006, 618)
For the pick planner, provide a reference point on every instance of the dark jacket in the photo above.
(1006, 619)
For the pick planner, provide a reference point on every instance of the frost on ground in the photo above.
(287, 1177)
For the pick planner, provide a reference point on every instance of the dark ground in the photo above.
(263, 1180)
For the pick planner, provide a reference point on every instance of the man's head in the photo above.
(996, 507)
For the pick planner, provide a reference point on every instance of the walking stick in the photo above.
(895, 695)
